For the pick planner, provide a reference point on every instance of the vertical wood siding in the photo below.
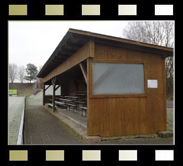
(119, 116)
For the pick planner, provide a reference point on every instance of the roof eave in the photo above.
(163, 51)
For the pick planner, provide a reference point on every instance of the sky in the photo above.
(34, 41)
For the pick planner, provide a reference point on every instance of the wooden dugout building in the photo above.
(125, 81)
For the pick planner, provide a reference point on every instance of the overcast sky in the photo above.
(34, 41)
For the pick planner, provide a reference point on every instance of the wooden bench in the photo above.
(73, 106)
(51, 105)
(60, 104)
(84, 111)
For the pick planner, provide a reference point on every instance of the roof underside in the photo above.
(75, 39)
(74, 73)
(64, 50)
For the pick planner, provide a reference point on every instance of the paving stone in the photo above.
(165, 134)
(91, 139)
(43, 128)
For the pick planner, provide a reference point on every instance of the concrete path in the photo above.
(15, 107)
(41, 127)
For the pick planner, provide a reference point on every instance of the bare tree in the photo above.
(158, 33)
(153, 32)
(21, 73)
(12, 71)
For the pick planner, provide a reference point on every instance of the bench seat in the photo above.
(60, 103)
(71, 105)
(84, 111)
(51, 105)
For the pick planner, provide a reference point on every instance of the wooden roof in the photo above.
(75, 39)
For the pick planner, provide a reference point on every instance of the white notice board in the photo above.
(152, 83)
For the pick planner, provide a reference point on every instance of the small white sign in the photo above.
(152, 83)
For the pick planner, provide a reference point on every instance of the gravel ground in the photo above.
(15, 107)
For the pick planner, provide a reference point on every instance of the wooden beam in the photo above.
(44, 94)
(53, 80)
(92, 48)
(53, 97)
(84, 72)
(47, 87)
(66, 51)
(57, 87)
(89, 92)
(75, 43)
(60, 58)
(80, 38)
(79, 56)
(54, 62)
(61, 54)
(68, 46)
(116, 39)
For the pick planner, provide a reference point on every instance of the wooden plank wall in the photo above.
(119, 116)
(73, 88)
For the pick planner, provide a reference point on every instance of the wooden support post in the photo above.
(53, 97)
(84, 72)
(44, 94)
(89, 92)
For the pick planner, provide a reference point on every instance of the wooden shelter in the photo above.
(125, 81)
